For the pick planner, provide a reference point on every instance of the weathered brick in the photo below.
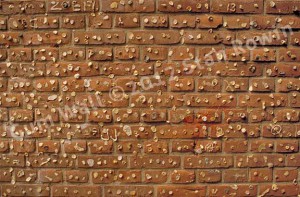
(234, 22)
(72, 53)
(188, 190)
(281, 7)
(153, 37)
(149, 98)
(209, 176)
(61, 6)
(260, 175)
(183, 6)
(209, 21)
(21, 6)
(237, 6)
(100, 20)
(239, 190)
(208, 37)
(28, 189)
(264, 22)
(93, 37)
(44, 38)
(208, 162)
(133, 6)
(68, 190)
(73, 22)
(76, 176)
(264, 55)
(235, 175)
(155, 21)
(50, 176)
(131, 20)
(285, 174)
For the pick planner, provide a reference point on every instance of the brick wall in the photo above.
(149, 97)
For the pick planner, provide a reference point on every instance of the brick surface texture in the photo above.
(179, 98)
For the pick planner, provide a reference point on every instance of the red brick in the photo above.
(94, 37)
(208, 37)
(183, 21)
(279, 130)
(210, 84)
(60, 6)
(260, 175)
(152, 147)
(100, 54)
(20, 55)
(50, 176)
(234, 131)
(209, 176)
(21, 115)
(75, 146)
(234, 146)
(100, 116)
(235, 175)
(283, 69)
(155, 53)
(149, 98)
(204, 100)
(278, 189)
(173, 190)
(5, 175)
(289, 55)
(183, 146)
(16, 7)
(263, 100)
(235, 115)
(138, 190)
(237, 54)
(72, 54)
(237, 6)
(23, 146)
(281, 7)
(209, 21)
(257, 160)
(207, 146)
(287, 146)
(30, 190)
(131, 20)
(47, 146)
(180, 116)
(264, 55)
(44, 38)
(208, 162)
(73, 22)
(155, 176)
(285, 174)
(127, 53)
(263, 22)
(155, 21)
(262, 85)
(134, 6)
(68, 190)
(239, 190)
(183, 6)
(25, 175)
(236, 22)
(100, 20)
(154, 161)
(85, 161)
(265, 38)
(76, 176)
(154, 36)
(262, 146)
